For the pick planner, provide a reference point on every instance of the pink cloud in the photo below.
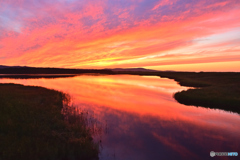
(100, 34)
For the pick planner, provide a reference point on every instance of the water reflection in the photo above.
(141, 120)
(135, 136)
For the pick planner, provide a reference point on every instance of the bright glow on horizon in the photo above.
(159, 34)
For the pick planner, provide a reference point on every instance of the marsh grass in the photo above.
(33, 126)
(214, 90)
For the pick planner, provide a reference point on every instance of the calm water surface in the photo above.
(142, 121)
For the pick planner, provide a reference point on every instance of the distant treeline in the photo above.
(33, 70)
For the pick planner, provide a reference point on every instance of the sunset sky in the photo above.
(181, 35)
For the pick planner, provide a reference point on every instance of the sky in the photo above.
(180, 35)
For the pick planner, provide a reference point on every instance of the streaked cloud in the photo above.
(122, 33)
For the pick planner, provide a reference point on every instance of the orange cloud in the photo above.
(101, 34)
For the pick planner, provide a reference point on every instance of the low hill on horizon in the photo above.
(41, 70)
(48, 70)
(133, 69)
(1, 66)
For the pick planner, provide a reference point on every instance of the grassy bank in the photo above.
(32, 126)
(215, 90)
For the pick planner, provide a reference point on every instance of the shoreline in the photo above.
(219, 90)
